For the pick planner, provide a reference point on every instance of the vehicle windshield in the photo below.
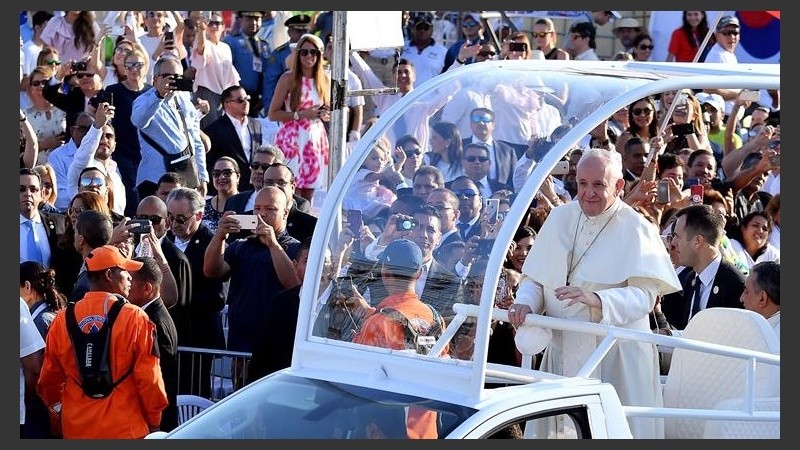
(285, 406)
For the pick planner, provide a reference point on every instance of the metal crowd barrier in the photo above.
(210, 373)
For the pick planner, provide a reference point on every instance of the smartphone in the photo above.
(246, 221)
(169, 39)
(355, 221)
(689, 182)
(502, 288)
(517, 47)
(682, 129)
(561, 168)
(492, 210)
(750, 96)
(697, 192)
(182, 83)
(406, 224)
(78, 66)
(143, 226)
(663, 192)
(102, 97)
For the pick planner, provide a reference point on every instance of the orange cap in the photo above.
(108, 256)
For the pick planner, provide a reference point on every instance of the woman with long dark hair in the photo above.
(686, 40)
(643, 123)
(751, 242)
(73, 35)
(446, 150)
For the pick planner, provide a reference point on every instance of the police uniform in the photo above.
(275, 62)
(248, 59)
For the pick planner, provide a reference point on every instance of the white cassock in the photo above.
(627, 266)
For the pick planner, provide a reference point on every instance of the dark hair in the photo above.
(636, 140)
(40, 17)
(700, 151)
(767, 278)
(702, 30)
(95, 227)
(227, 93)
(640, 37)
(430, 170)
(31, 172)
(449, 130)
(172, 177)
(703, 220)
(43, 281)
(407, 139)
(666, 161)
(84, 31)
(523, 232)
(150, 271)
(746, 221)
(652, 127)
(585, 29)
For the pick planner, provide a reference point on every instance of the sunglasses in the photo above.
(305, 52)
(486, 53)
(226, 172)
(422, 26)
(640, 111)
(214, 23)
(541, 35)
(729, 33)
(75, 211)
(465, 193)
(154, 219)
(180, 220)
(469, 24)
(53, 63)
(412, 151)
(481, 119)
(244, 99)
(646, 47)
(271, 182)
(257, 165)
(474, 158)
(134, 65)
(92, 181)
(123, 50)
(38, 83)
(82, 75)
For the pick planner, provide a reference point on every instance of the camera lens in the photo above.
(406, 224)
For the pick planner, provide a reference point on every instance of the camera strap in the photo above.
(185, 127)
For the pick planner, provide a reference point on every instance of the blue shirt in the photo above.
(243, 59)
(253, 281)
(274, 66)
(162, 122)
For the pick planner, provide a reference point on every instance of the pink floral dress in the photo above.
(305, 142)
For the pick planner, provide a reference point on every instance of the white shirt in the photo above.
(39, 233)
(244, 134)
(61, 158)
(30, 342)
(717, 54)
(85, 157)
(707, 278)
(420, 284)
(428, 62)
(588, 55)
(775, 321)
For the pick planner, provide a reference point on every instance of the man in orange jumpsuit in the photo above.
(133, 408)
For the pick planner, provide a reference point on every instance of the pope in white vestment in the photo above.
(611, 265)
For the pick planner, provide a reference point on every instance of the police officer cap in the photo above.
(250, 14)
(300, 21)
(415, 17)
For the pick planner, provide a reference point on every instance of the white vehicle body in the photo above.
(528, 393)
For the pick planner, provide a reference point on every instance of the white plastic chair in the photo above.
(190, 405)
(705, 381)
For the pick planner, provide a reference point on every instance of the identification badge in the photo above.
(256, 64)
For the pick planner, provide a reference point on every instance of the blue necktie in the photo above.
(462, 229)
(34, 252)
(698, 284)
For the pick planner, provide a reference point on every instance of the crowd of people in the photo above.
(171, 161)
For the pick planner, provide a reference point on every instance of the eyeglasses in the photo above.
(38, 83)
(123, 50)
(306, 51)
(469, 24)
(486, 53)
(134, 65)
(646, 47)
(53, 63)
(226, 172)
(465, 193)
(257, 165)
(92, 181)
(640, 111)
(729, 33)
(72, 211)
(240, 100)
(422, 26)
(412, 152)
(541, 35)
(473, 158)
(154, 219)
(272, 182)
(214, 23)
(82, 75)
(481, 119)
(180, 220)
(33, 189)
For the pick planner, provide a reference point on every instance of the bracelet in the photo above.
(459, 61)
(24, 118)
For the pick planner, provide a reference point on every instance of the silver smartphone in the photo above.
(246, 221)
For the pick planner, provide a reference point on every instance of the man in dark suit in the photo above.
(46, 229)
(470, 204)
(446, 204)
(717, 282)
(224, 133)
(263, 156)
(145, 293)
(299, 225)
(633, 158)
(200, 324)
(504, 155)
(477, 165)
(154, 209)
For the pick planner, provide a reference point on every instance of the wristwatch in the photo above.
(459, 61)
(296, 115)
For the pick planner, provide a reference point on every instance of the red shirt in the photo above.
(681, 47)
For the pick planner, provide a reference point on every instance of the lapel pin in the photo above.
(715, 290)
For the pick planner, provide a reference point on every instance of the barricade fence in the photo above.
(210, 373)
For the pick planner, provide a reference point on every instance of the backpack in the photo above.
(91, 351)
(418, 337)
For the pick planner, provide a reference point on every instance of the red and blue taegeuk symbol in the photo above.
(761, 32)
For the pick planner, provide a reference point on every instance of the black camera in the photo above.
(79, 66)
(406, 224)
(181, 83)
(142, 228)
(102, 97)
